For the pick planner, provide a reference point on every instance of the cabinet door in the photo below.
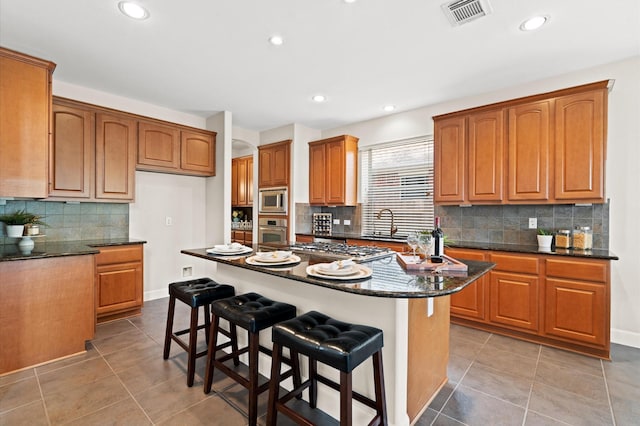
(25, 105)
(234, 182)
(514, 300)
(242, 182)
(335, 173)
(250, 181)
(449, 161)
(71, 154)
(580, 146)
(280, 165)
(577, 310)
(119, 287)
(486, 156)
(248, 238)
(317, 181)
(158, 147)
(198, 153)
(115, 156)
(265, 161)
(529, 148)
(471, 301)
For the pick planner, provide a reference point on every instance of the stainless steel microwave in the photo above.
(273, 200)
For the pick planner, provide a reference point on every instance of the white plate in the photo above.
(325, 269)
(253, 260)
(230, 252)
(272, 256)
(363, 272)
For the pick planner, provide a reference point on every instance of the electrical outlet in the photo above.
(336, 221)
(187, 271)
(168, 221)
(533, 223)
(347, 222)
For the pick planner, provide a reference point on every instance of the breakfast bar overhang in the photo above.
(412, 309)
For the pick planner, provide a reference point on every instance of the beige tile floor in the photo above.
(493, 380)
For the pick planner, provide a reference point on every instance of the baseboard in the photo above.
(626, 338)
(156, 294)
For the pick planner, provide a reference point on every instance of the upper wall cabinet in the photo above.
(547, 148)
(25, 110)
(273, 164)
(242, 181)
(92, 154)
(333, 171)
(168, 148)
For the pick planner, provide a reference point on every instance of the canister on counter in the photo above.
(563, 238)
(583, 238)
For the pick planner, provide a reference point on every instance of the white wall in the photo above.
(623, 172)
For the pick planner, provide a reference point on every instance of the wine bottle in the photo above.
(438, 239)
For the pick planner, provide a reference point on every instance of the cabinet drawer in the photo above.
(120, 254)
(465, 254)
(588, 270)
(513, 263)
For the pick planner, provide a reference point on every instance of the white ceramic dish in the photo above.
(325, 269)
(230, 251)
(272, 256)
(362, 272)
(253, 260)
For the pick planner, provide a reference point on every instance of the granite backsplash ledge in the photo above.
(73, 221)
(510, 224)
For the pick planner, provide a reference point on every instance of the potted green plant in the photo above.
(16, 222)
(545, 237)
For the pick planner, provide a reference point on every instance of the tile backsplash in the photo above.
(509, 224)
(304, 217)
(73, 221)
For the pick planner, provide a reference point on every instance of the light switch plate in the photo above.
(533, 222)
(336, 221)
(347, 222)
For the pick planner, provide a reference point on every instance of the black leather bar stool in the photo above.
(196, 293)
(254, 313)
(337, 344)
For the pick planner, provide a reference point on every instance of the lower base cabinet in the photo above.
(557, 301)
(242, 237)
(119, 282)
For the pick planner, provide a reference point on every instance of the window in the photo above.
(397, 176)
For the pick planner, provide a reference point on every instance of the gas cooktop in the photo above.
(344, 251)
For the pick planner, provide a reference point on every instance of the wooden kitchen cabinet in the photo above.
(555, 150)
(398, 247)
(472, 301)
(560, 301)
(72, 151)
(25, 102)
(92, 155)
(333, 171)
(450, 152)
(529, 145)
(485, 156)
(242, 237)
(274, 164)
(170, 148)
(119, 282)
(242, 181)
(580, 136)
(578, 301)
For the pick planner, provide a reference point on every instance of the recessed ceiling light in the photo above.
(276, 40)
(319, 98)
(349, 1)
(534, 23)
(133, 10)
(389, 108)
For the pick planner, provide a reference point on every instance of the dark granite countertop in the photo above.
(389, 279)
(516, 248)
(46, 249)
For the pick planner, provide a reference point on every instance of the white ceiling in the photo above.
(205, 56)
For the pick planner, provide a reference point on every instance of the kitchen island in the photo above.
(412, 309)
(48, 300)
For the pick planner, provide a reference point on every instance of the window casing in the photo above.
(397, 176)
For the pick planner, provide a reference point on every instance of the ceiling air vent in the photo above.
(462, 11)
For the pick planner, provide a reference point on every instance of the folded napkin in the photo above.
(339, 264)
(278, 254)
(232, 246)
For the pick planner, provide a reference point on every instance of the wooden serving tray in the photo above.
(450, 264)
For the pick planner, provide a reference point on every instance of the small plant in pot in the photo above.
(17, 221)
(545, 237)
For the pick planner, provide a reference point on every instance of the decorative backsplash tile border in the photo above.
(73, 221)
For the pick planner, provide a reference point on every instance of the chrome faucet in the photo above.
(394, 229)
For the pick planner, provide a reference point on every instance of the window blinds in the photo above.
(397, 176)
